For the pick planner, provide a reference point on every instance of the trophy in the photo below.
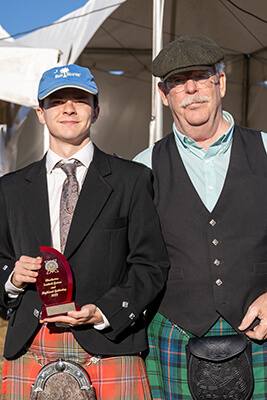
(55, 284)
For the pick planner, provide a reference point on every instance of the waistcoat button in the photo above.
(212, 222)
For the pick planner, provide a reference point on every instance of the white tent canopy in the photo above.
(25, 59)
(123, 42)
(19, 79)
(22, 62)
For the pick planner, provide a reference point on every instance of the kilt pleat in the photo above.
(116, 378)
(166, 361)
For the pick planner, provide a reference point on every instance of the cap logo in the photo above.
(65, 72)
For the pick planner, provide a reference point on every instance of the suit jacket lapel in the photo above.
(93, 197)
(34, 198)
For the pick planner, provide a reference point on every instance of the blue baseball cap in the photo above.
(68, 76)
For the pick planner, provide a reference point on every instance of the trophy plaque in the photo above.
(55, 284)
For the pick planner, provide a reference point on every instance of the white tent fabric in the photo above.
(5, 36)
(21, 68)
(124, 42)
(22, 62)
(22, 65)
(19, 79)
(72, 32)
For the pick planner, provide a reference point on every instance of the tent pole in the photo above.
(156, 121)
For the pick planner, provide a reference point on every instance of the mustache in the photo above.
(194, 99)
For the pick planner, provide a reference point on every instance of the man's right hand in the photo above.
(26, 271)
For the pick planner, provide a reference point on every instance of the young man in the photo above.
(210, 192)
(114, 248)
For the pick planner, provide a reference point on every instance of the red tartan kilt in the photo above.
(112, 377)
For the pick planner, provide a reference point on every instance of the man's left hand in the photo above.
(89, 314)
(258, 309)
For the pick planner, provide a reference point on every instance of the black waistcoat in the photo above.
(219, 258)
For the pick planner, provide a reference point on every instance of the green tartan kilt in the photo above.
(166, 361)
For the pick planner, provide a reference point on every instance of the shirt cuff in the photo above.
(11, 290)
(102, 325)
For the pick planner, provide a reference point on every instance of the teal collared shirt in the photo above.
(206, 169)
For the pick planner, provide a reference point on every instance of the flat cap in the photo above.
(188, 53)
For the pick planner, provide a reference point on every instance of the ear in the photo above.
(95, 114)
(222, 84)
(163, 93)
(40, 115)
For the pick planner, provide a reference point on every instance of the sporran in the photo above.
(63, 380)
(220, 367)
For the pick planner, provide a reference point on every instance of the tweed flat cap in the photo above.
(188, 53)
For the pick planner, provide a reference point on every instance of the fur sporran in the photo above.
(63, 379)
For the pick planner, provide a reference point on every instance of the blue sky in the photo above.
(22, 15)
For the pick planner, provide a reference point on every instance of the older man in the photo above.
(210, 192)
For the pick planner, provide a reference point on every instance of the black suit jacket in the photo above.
(115, 250)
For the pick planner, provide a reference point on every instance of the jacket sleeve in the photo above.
(7, 259)
(147, 261)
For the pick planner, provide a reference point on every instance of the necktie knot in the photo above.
(69, 169)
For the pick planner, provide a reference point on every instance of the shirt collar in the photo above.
(85, 156)
(221, 145)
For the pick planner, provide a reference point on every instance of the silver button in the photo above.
(5, 267)
(218, 282)
(125, 304)
(212, 222)
(36, 313)
(215, 242)
(217, 262)
(132, 316)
